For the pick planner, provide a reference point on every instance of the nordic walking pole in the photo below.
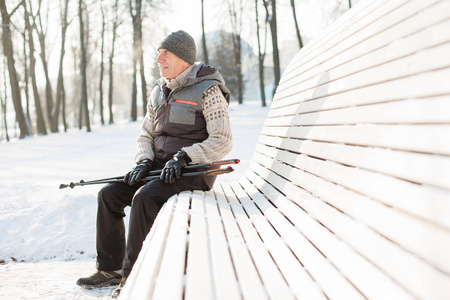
(157, 172)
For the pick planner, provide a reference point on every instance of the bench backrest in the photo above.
(358, 139)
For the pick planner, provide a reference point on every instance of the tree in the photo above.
(4, 100)
(136, 10)
(205, 50)
(349, 3)
(40, 122)
(41, 33)
(100, 85)
(236, 25)
(272, 19)
(115, 25)
(84, 114)
(8, 51)
(297, 29)
(60, 90)
(261, 55)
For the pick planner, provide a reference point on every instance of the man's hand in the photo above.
(138, 172)
(172, 169)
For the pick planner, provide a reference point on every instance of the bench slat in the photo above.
(142, 278)
(395, 225)
(433, 170)
(170, 281)
(245, 269)
(274, 282)
(310, 57)
(373, 39)
(327, 276)
(225, 281)
(327, 39)
(429, 204)
(361, 273)
(419, 138)
(360, 76)
(199, 281)
(365, 212)
(426, 111)
(298, 279)
(428, 84)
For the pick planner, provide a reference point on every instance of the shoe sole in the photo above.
(114, 281)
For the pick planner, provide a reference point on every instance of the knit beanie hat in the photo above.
(181, 44)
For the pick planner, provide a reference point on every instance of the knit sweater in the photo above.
(215, 111)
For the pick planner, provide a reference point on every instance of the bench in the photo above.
(348, 192)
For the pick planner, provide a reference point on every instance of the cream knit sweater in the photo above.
(215, 111)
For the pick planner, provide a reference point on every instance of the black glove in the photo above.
(172, 169)
(138, 172)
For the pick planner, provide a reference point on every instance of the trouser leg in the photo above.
(112, 200)
(145, 206)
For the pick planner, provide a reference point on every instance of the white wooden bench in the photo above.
(348, 192)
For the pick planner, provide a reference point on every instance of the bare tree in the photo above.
(115, 25)
(8, 51)
(41, 33)
(60, 90)
(84, 114)
(236, 25)
(4, 100)
(100, 85)
(272, 19)
(136, 10)
(297, 29)
(261, 55)
(205, 50)
(40, 121)
(26, 76)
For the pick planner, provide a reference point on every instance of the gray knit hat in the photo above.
(181, 44)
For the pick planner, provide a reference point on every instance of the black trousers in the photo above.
(113, 252)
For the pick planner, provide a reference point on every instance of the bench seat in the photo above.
(347, 195)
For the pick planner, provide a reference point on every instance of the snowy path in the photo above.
(53, 231)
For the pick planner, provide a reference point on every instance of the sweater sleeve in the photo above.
(219, 142)
(145, 138)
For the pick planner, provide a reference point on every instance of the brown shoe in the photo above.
(100, 279)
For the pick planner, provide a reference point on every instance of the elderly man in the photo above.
(187, 122)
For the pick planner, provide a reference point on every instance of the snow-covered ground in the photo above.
(48, 234)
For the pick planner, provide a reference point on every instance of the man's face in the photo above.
(170, 65)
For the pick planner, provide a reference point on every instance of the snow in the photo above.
(47, 233)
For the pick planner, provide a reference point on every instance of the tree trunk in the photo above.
(297, 29)
(40, 122)
(273, 30)
(349, 3)
(8, 51)
(60, 91)
(83, 64)
(111, 63)
(261, 57)
(26, 75)
(238, 56)
(143, 81)
(205, 50)
(236, 25)
(48, 85)
(4, 101)
(135, 16)
(100, 88)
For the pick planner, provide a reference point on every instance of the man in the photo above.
(187, 122)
